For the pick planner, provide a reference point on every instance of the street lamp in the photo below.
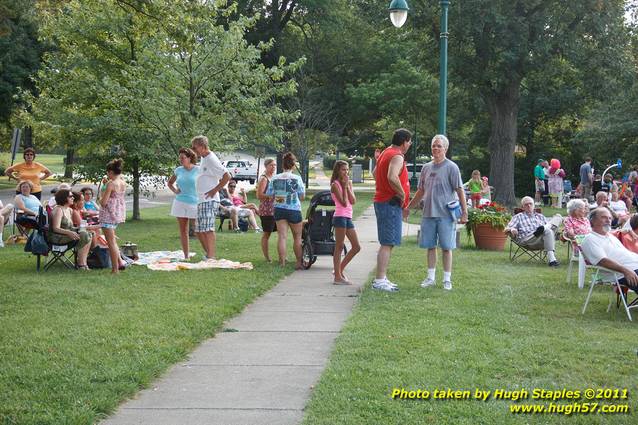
(398, 15)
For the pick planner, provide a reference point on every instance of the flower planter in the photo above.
(488, 237)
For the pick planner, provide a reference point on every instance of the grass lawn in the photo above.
(55, 163)
(74, 345)
(502, 326)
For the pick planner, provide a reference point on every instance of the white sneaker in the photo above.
(384, 285)
(394, 285)
(427, 282)
(447, 285)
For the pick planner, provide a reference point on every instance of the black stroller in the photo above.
(317, 237)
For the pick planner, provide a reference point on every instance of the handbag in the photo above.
(99, 258)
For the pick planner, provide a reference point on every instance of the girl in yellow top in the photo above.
(29, 170)
(475, 185)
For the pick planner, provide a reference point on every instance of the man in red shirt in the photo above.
(391, 198)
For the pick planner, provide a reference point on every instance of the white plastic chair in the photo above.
(610, 279)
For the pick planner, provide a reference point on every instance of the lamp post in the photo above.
(398, 15)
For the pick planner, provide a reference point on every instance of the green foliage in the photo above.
(20, 52)
(126, 80)
(329, 161)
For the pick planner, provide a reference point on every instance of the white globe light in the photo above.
(398, 17)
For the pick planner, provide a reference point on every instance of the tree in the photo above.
(127, 79)
(20, 53)
(501, 43)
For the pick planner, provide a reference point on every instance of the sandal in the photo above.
(83, 267)
(341, 282)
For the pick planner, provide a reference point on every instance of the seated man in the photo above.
(602, 200)
(602, 249)
(532, 230)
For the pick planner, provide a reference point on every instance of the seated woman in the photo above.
(619, 208)
(235, 212)
(51, 202)
(240, 200)
(5, 213)
(577, 222)
(628, 235)
(61, 230)
(26, 204)
(76, 209)
(91, 208)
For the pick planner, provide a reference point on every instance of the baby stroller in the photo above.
(317, 237)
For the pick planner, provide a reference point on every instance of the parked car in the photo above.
(242, 170)
(411, 167)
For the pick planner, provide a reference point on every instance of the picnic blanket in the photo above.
(171, 261)
(169, 266)
(146, 258)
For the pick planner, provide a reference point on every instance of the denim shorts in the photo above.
(342, 222)
(442, 229)
(389, 223)
(291, 216)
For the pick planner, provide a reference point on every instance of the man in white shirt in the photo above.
(212, 178)
(605, 250)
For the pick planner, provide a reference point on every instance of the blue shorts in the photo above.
(442, 229)
(108, 226)
(342, 222)
(291, 216)
(389, 223)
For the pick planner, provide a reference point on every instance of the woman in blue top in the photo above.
(185, 203)
(288, 191)
(27, 205)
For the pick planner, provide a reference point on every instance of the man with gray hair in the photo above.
(603, 249)
(212, 178)
(441, 188)
(532, 230)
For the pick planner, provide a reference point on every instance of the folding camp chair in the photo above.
(65, 254)
(604, 276)
(22, 224)
(518, 251)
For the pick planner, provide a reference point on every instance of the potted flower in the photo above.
(487, 223)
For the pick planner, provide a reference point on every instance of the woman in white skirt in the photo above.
(185, 202)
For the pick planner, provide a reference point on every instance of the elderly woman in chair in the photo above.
(532, 230)
(61, 230)
(27, 206)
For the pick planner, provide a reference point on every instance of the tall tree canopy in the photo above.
(140, 79)
(20, 53)
(499, 44)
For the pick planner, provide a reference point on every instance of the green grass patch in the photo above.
(508, 326)
(74, 345)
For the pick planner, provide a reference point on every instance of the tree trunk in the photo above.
(503, 107)
(68, 163)
(136, 190)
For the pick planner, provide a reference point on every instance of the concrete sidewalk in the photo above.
(263, 368)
